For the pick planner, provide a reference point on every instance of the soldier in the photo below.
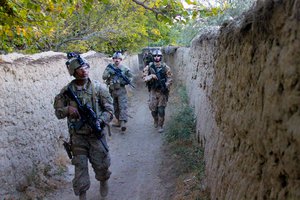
(158, 77)
(117, 76)
(85, 144)
(147, 58)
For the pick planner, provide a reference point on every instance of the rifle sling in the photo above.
(95, 100)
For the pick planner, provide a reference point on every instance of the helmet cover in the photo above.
(75, 63)
(117, 55)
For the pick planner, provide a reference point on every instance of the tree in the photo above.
(33, 26)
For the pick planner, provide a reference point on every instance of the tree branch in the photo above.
(98, 34)
(157, 12)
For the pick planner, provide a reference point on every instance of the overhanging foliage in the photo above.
(102, 25)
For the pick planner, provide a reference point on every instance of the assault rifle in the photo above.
(88, 116)
(118, 72)
(162, 82)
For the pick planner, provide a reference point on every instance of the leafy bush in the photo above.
(182, 125)
(180, 132)
(187, 155)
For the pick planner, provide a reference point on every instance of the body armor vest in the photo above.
(160, 72)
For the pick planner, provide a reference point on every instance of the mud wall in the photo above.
(31, 136)
(244, 81)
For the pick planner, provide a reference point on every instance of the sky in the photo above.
(207, 3)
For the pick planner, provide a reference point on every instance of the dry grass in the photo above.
(45, 178)
(188, 186)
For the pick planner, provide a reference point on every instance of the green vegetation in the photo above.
(100, 25)
(211, 15)
(186, 153)
(182, 126)
(106, 26)
(181, 135)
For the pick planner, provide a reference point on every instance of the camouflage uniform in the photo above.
(158, 99)
(85, 146)
(147, 58)
(118, 90)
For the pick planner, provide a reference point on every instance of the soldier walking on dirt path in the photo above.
(88, 107)
(158, 77)
(117, 76)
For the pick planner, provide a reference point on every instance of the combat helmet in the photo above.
(75, 63)
(72, 55)
(117, 55)
(158, 53)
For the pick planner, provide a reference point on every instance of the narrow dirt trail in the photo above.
(136, 158)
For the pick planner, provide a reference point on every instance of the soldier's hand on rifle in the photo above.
(73, 112)
(111, 72)
(153, 76)
(150, 77)
(99, 124)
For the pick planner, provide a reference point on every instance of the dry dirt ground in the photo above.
(140, 170)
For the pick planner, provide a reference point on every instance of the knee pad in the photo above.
(161, 111)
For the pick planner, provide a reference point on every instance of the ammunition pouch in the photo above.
(79, 128)
(116, 86)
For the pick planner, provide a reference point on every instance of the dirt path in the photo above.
(136, 158)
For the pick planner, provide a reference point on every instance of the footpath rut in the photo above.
(136, 158)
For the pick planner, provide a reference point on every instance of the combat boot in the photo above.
(117, 124)
(123, 125)
(103, 188)
(161, 129)
(82, 196)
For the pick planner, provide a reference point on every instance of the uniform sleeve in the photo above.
(106, 104)
(61, 105)
(129, 74)
(106, 74)
(146, 77)
(169, 76)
